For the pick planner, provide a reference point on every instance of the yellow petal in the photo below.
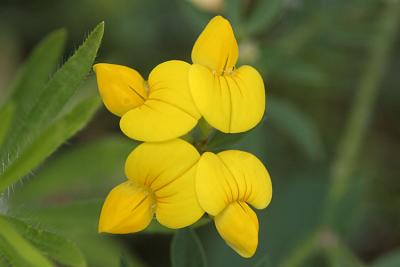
(238, 226)
(169, 112)
(251, 177)
(231, 176)
(168, 170)
(121, 88)
(230, 103)
(128, 208)
(177, 204)
(215, 186)
(168, 82)
(216, 47)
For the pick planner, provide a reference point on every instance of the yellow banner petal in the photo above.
(231, 176)
(216, 47)
(121, 88)
(250, 175)
(230, 103)
(177, 204)
(168, 170)
(128, 208)
(238, 226)
(215, 186)
(169, 111)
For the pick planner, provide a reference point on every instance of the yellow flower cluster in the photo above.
(167, 177)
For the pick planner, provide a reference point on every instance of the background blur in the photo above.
(313, 54)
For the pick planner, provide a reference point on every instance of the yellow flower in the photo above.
(231, 100)
(161, 182)
(225, 184)
(159, 110)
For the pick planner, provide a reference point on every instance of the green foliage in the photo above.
(219, 141)
(6, 116)
(187, 250)
(104, 162)
(297, 126)
(52, 245)
(391, 259)
(17, 250)
(48, 141)
(311, 54)
(39, 133)
(264, 262)
(263, 15)
(35, 73)
(34, 124)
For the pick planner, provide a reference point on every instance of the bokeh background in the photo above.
(315, 57)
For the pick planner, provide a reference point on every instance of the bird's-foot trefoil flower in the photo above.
(226, 183)
(161, 183)
(230, 99)
(160, 109)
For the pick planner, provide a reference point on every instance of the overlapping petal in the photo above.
(230, 103)
(167, 170)
(159, 110)
(169, 111)
(225, 184)
(216, 47)
(127, 209)
(121, 88)
(238, 226)
(231, 176)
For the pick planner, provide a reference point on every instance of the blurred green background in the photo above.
(317, 58)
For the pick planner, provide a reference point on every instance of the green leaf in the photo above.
(187, 250)
(54, 96)
(74, 218)
(36, 71)
(77, 169)
(338, 254)
(6, 116)
(220, 141)
(78, 221)
(264, 262)
(54, 246)
(263, 15)
(17, 250)
(297, 126)
(391, 259)
(49, 141)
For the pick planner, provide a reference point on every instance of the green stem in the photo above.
(302, 251)
(363, 105)
(356, 126)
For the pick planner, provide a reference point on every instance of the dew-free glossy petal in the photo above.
(251, 177)
(169, 111)
(168, 82)
(168, 170)
(215, 186)
(216, 47)
(121, 88)
(238, 226)
(155, 165)
(231, 103)
(127, 209)
(177, 204)
(230, 176)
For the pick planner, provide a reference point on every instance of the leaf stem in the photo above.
(363, 106)
(356, 127)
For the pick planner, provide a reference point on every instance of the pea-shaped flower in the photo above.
(225, 184)
(157, 110)
(230, 99)
(161, 183)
